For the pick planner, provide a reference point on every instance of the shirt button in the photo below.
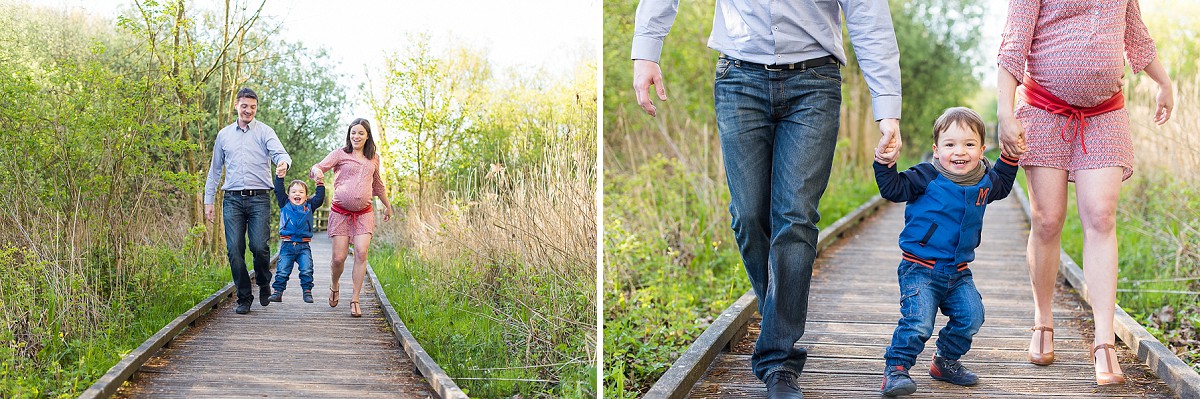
(776, 27)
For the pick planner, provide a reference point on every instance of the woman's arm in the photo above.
(1012, 134)
(1165, 98)
(379, 190)
(318, 171)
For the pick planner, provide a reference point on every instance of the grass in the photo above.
(59, 357)
(471, 341)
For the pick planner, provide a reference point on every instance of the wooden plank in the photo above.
(287, 349)
(690, 366)
(851, 321)
(1173, 371)
(441, 382)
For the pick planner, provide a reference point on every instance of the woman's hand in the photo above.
(387, 213)
(1012, 135)
(1166, 103)
(316, 174)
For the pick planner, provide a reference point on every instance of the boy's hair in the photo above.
(302, 184)
(959, 116)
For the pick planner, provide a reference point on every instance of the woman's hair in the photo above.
(301, 183)
(369, 146)
(962, 116)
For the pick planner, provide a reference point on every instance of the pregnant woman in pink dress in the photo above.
(358, 181)
(1070, 57)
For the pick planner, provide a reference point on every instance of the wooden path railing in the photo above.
(287, 349)
(854, 305)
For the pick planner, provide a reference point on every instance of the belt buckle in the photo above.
(247, 193)
(768, 67)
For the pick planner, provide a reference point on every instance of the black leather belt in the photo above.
(247, 193)
(802, 65)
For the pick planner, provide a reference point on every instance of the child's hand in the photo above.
(280, 173)
(316, 173)
(889, 142)
(320, 179)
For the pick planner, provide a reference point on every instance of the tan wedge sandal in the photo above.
(355, 311)
(333, 297)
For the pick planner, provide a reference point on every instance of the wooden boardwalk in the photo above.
(854, 307)
(290, 349)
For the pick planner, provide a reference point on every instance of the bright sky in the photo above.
(551, 34)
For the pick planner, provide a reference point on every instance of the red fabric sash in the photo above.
(353, 215)
(1037, 96)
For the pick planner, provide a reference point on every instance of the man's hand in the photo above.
(646, 74)
(888, 149)
(1012, 135)
(281, 169)
(208, 212)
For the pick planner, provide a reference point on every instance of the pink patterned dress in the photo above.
(1076, 49)
(358, 181)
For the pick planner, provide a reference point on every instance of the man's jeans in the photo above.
(922, 292)
(247, 216)
(293, 253)
(778, 132)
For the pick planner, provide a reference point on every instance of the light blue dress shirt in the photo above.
(789, 31)
(246, 156)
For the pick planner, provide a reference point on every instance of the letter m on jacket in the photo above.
(983, 196)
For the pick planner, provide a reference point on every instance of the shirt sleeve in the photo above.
(899, 187)
(377, 187)
(651, 24)
(870, 25)
(1017, 37)
(281, 194)
(214, 172)
(275, 148)
(1139, 47)
(318, 199)
(330, 160)
(1003, 175)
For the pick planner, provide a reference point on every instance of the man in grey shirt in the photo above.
(244, 149)
(777, 93)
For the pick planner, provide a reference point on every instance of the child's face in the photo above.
(958, 149)
(297, 194)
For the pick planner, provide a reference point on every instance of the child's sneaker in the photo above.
(276, 297)
(896, 382)
(308, 296)
(951, 371)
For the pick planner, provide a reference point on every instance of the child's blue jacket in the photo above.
(296, 221)
(942, 220)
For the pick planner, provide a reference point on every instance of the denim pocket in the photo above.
(831, 72)
(723, 66)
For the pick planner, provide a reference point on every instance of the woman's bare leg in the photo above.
(341, 244)
(1097, 193)
(362, 243)
(1048, 205)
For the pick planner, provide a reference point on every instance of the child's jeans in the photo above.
(923, 291)
(298, 253)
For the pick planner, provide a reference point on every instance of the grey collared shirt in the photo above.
(788, 31)
(246, 156)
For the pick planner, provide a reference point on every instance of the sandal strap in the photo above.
(1108, 358)
(1042, 328)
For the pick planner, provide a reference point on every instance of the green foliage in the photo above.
(938, 42)
(475, 322)
(301, 99)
